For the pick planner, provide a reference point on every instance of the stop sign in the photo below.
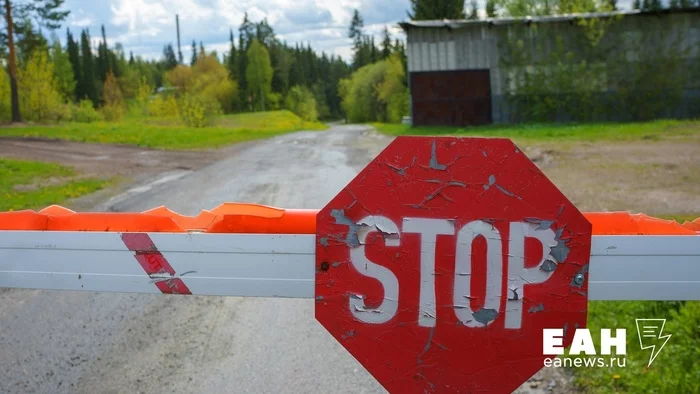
(441, 263)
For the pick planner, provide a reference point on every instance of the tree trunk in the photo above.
(16, 116)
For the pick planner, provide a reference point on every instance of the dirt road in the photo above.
(112, 343)
(64, 342)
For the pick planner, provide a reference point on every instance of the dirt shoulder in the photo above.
(124, 164)
(654, 177)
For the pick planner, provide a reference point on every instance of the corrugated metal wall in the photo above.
(476, 47)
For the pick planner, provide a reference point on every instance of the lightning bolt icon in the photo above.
(651, 336)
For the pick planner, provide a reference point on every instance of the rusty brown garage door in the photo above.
(451, 98)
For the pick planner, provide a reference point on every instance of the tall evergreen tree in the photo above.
(29, 39)
(231, 59)
(246, 33)
(88, 69)
(473, 10)
(264, 33)
(356, 33)
(102, 65)
(194, 53)
(202, 52)
(373, 52)
(491, 8)
(169, 57)
(74, 56)
(436, 9)
(131, 58)
(386, 44)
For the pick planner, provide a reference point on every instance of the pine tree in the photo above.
(194, 54)
(264, 33)
(74, 56)
(131, 58)
(356, 25)
(231, 60)
(245, 35)
(386, 44)
(169, 57)
(29, 40)
(202, 52)
(491, 8)
(88, 70)
(473, 11)
(373, 52)
(437, 9)
(103, 65)
(356, 33)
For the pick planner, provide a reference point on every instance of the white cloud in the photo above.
(145, 26)
(82, 22)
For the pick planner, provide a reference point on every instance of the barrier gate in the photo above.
(437, 267)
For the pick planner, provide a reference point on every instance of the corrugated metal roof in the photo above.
(456, 24)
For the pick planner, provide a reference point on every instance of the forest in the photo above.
(72, 80)
(54, 74)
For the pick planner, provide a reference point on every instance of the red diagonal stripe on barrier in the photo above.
(154, 263)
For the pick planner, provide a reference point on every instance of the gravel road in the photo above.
(70, 342)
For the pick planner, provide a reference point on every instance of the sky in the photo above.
(145, 26)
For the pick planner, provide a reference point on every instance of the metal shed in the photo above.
(458, 74)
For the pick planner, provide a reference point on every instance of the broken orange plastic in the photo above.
(260, 219)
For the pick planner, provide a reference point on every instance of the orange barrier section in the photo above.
(253, 218)
(623, 223)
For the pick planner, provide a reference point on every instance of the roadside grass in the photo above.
(590, 132)
(35, 185)
(166, 134)
(676, 368)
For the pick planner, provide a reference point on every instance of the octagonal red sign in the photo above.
(441, 263)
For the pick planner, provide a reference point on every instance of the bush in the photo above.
(207, 78)
(113, 112)
(198, 111)
(375, 93)
(143, 96)
(163, 107)
(301, 101)
(392, 93)
(39, 97)
(84, 112)
(5, 106)
(113, 109)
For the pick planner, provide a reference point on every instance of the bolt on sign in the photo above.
(441, 263)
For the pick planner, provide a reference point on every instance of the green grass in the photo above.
(681, 218)
(654, 130)
(677, 367)
(166, 134)
(30, 175)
